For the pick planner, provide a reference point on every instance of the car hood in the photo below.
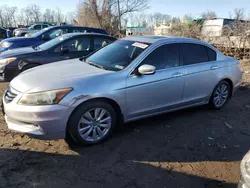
(54, 74)
(16, 52)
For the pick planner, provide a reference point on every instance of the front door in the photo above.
(148, 94)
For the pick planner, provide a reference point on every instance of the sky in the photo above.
(171, 7)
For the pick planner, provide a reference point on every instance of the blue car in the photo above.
(45, 35)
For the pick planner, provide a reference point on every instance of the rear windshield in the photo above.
(118, 55)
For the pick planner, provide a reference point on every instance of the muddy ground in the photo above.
(194, 148)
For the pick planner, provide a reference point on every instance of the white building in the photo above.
(162, 29)
(135, 31)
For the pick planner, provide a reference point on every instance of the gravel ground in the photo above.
(197, 147)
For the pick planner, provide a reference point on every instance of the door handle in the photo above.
(177, 74)
(214, 67)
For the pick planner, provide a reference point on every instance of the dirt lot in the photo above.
(197, 147)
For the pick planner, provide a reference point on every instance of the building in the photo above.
(217, 27)
(162, 29)
(137, 31)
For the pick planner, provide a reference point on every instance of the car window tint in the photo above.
(75, 45)
(100, 42)
(194, 53)
(44, 26)
(164, 57)
(37, 27)
(211, 54)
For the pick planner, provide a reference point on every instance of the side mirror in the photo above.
(64, 50)
(45, 37)
(146, 69)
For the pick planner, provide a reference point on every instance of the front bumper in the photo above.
(43, 122)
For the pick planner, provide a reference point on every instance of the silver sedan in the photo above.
(130, 79)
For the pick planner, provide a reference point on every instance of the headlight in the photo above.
(44, 98)
(5, 44)
(7, 61)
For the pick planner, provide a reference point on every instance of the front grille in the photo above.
(10, 94)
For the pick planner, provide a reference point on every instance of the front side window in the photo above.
(118, 55)
(164, 57)
(75, 45)
(194, 53)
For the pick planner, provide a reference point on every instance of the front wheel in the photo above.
(92, 123)
(28, 67)
(220, 95)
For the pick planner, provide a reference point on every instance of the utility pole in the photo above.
(119, 15)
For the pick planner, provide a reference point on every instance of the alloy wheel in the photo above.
(94, 124)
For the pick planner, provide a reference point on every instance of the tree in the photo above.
(208, 15)
(104, 13)
(239, 14)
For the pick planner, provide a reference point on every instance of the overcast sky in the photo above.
(171, 7)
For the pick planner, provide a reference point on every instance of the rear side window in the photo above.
(211, 54)
(194, 53)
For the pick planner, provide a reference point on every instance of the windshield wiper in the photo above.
(96, 65)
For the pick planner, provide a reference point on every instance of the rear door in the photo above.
(201, 72)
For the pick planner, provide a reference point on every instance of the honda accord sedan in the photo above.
(129, 79)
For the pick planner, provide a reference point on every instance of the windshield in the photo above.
(51, 43)
(118, 55)
(40, 32)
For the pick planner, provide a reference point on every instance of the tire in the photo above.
(28, 67)
(219, 99)
(80, 121)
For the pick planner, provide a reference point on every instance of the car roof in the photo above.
(68, 35)
(154, 39)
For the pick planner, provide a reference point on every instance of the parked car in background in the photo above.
(68, 46)
(33, 28)
(245, 172)
(3, 33)
(129, 79)
(45, 35)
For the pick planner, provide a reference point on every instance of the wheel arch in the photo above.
(110, 101)
(230, 82)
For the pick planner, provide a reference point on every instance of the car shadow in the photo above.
(197, 147)
(38, 169)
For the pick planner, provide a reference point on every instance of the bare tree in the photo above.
(208, 14)
(239, 14)
(104, 13)
(59, 15)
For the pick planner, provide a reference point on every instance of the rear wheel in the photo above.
(220, 95)
(92, 123)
